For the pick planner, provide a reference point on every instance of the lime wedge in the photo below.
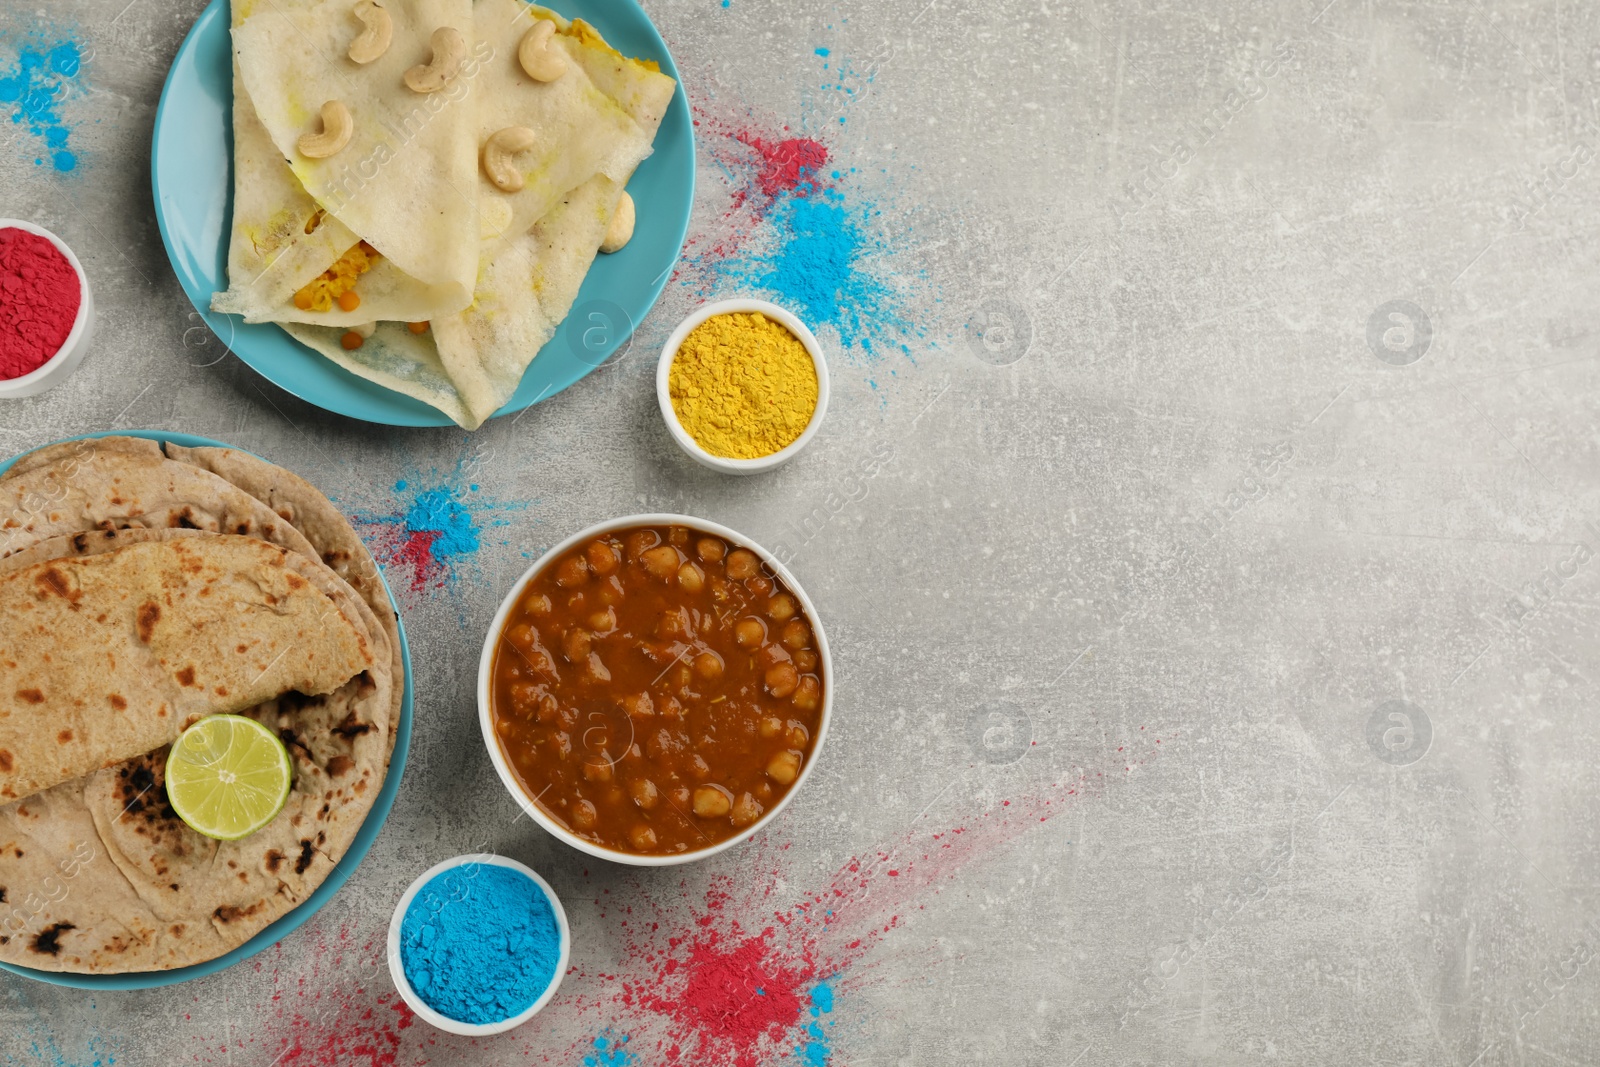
(228, 776)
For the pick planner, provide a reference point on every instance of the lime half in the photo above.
(228, 776)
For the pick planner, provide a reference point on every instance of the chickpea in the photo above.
(750, 632)
(699, 767)
(760, 585)
(597, 770)
(584, 815)
(771, 726)
(742, 564)
(522, 636)
(567, 717)
(712, 801)
(763, 790)
(679, 795)
(576, 644)
(610, 592)
(681, 677)
(572, 572)
(784, 768)
(805, 660)
(781, 608)
(642, 837)
(661, 562)
(536, 604)
(808, 694)
(561, 743)
(638, 705)
(691, 579)
(671, 710)
(505, 728)
(595, 670)
(602, 557)
(708, 665)
(798, 734)
(710, 550)
(769, 656)
(640, 542)
(644, 793)
(603, 622)
(796, 634)
(746, 810)
(633, 753)
(678, 535)
(782, 680)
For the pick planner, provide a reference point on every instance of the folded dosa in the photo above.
(107, 657)
(470, 363)
(405, 182)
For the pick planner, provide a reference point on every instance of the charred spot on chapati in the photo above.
(53, 581)
(229, 913)
(275, 859)
(5, 763)
(340, 765)
(186, 677)
(118, 701)
(47, 942)
(149, 614)
(29, 696)
(350, 729)
(308, 852)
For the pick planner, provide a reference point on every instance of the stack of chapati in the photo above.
(142, 589)
(472, 199)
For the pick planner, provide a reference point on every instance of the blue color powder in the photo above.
(818, 267)
(479, 943)
(814, 1045)
(33, 88)
(438, 509)
(609, 1051)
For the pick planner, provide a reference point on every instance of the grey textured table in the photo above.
(1205, 524)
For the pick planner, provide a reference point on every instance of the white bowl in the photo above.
(486, 667)
(664, 394)
(55, 369)
(397, 969)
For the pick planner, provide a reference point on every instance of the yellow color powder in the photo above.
(742, 386)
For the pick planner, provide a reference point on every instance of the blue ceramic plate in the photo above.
(191, 171)
(336, 878)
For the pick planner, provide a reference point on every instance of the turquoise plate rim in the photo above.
(370, 827)
(615, 296)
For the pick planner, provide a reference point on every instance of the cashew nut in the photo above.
(620, 232)
(449, 52)
(497, 153)
(543, 63)
(373, 41)
(337, 126)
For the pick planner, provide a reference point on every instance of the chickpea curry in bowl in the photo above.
(654, 689)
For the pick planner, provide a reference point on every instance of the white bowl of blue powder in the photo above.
(478, 945)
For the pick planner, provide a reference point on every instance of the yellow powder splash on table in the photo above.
(742, 386)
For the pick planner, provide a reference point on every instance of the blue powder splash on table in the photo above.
(817, 266)
(814, 1044)
(610, 1051)
(479, 943)
(32, 89)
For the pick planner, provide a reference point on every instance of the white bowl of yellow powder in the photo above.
(743, 386)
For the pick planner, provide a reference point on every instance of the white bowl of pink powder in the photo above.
(46, 312)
